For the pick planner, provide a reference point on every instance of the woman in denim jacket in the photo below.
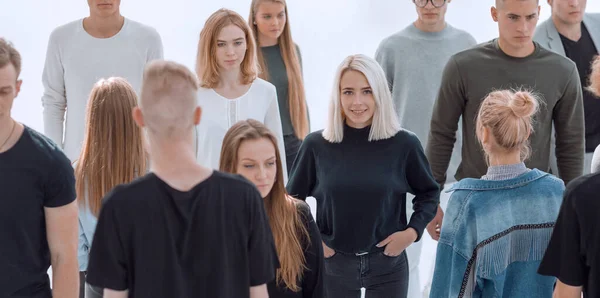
(497, 228)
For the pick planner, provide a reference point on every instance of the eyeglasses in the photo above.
(435, 3)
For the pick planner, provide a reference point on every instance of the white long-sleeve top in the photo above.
(75, 61)
(220, 113)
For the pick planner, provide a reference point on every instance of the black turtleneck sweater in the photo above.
(360, 187)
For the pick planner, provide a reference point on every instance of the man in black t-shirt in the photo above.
(573, 254)
(575, 34)
(38, 212)
(183, 230)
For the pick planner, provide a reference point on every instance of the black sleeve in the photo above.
(564, 257)
(312, 283)
(448, 108)
(422, 185)
(263, 261)
(107, 267)
(303, 173)
(59, 187)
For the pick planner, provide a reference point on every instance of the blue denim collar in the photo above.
(479, 184)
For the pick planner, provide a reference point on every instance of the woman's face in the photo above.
(231, 47)
(257, 162)
(270, 20)
(356, 96)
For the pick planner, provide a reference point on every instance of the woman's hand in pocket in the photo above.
(396, 243)
(328, 252)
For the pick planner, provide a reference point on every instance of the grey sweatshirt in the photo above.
(413, 61)
(470, 75)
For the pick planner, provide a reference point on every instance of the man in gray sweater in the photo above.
(413, 60)
(514, 61)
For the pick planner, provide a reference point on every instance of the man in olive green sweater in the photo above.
(512, 61)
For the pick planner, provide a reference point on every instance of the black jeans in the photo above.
(292, 145)
(380, 275)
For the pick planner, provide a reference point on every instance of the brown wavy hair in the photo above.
(285, 220)
(113, 146)
(207, 67)
(296, 94)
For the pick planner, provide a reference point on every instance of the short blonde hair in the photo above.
(168, 97)
(385, 121)
(508, 116)
(207, 67)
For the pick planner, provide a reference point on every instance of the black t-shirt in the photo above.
(211, 241)
(311, 283)
(582, 52)
(573, 254)
(34, 174)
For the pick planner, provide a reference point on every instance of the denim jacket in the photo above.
(494, 235)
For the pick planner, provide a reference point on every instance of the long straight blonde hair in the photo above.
(285, 220)
(296, 94)
(113, 151)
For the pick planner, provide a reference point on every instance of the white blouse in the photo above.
(220, 113)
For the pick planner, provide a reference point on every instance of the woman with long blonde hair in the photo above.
(281, 64)
(250, 150)
(112, 154)
(360, 169)
(230, 88)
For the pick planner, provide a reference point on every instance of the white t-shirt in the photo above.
(75, 61)
(220, 113)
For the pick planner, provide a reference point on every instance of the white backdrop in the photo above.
(326, 31)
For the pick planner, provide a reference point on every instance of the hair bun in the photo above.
(523, 104)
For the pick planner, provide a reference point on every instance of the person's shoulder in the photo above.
(48, 151)
(479, 51)
(142, 31)
(262, 86)
(132, 195)
(584, 188)
(563, 64)
(406, 137)
(65, 32)
(314, 138)
(234, 184)
(592, 16)
(460, 34)
(396, 39)
(302, 207)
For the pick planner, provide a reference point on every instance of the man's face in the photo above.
(104, 8)
(568, 11)
(430, 14)
(516, 21)
(9, 88)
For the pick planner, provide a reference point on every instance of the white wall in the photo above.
(326, 31)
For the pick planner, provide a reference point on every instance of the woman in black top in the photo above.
(281, 64)
(359, 170)
(250, 149)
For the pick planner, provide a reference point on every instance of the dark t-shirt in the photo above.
(573, 254)
(311, 283)
(582, 52)
(211, 241)
(34, 174)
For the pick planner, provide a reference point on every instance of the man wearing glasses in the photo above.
(512, 61)
(413, 60)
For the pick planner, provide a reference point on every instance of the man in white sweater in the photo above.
(104, 44)
(413, 60)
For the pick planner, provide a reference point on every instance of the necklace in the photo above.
(8, 138)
